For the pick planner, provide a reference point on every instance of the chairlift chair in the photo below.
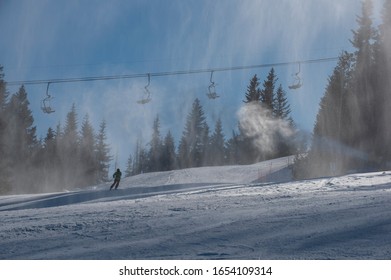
(212, 89)
(212, 92)
(45, 104)
(297, 81)
(147, 95)
(144, 100)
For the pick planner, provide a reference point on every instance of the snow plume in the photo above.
(258, 124)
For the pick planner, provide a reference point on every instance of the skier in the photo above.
(117, 177)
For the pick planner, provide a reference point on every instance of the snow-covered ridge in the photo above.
(158, 183)
(205, 213)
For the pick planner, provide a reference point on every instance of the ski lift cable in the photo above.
(169, 73)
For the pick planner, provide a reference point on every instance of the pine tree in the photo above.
(286, 145)
(87, 157)
(253, 93)
(71, 127)
(49, 150)
(281, 105)
(129, 166)
(333, 123)
(183, 158)
(168, 153)
(232, 149)
(333, 126)
(383, 74)
(20, 141)
(191, 150)
(205, 146)
(267, 93)
(140, 159)
(246, 150)
(155, 151)
(69, 151)
(217, 145)
(48, 163)
(3, 90)
(362, 99)
(102, 154)
(50, 136)
(4, 169)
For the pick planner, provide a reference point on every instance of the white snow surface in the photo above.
(232, 212)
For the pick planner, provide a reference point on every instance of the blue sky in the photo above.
(44, 39)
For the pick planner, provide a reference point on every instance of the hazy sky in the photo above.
(42, 39)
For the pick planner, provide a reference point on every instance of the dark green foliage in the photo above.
(103, 157)
(198, 148)
(69, 158)
(19, 140)
(265, 128)
(155, 151)
(62, 159)
(88, 156)
(69, 151)
(253, 93)
(217, 151)
(193, 145)
(232, 149)
(352, 127)
(281, 107)
(4, 170)
(268, 91)
(168, 161)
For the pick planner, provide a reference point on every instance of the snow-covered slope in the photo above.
(232, 212)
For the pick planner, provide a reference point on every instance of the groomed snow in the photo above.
(232, 212)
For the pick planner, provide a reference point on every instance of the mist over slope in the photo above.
(205, 213)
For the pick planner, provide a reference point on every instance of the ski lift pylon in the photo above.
(297, 83)
(147, 95)
(45, 104)
(212, 88)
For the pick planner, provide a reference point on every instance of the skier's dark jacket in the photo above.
(117, 175)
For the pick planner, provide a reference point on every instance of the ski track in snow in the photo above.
(229, 212)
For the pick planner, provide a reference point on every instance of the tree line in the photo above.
(199, 146)
(66, 158)
(70, 156)
(352, 130)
